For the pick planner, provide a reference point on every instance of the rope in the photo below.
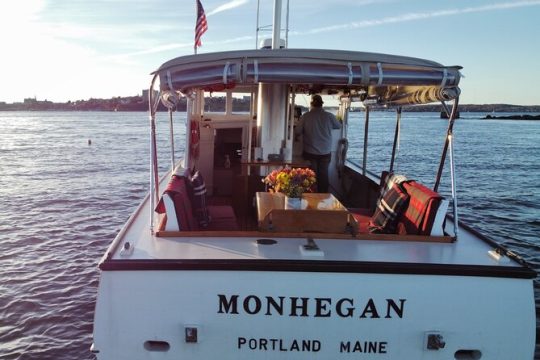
(169, 99)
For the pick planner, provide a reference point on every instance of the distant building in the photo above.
(145, 94)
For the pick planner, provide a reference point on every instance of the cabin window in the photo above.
(241, 103)
(215, 102)
(227, 103)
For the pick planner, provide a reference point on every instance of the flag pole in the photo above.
(196, 12)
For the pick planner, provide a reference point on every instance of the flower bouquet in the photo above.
(291, 182)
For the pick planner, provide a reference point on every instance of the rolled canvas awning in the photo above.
(388, 79)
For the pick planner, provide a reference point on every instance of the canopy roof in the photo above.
(385, 79)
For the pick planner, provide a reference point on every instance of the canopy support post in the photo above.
(343, 143)
(154, 183)
(396, 138)
(289, 140)
(345, 108)
(453, 177)
(171, 135)
(451, 120)
(449, 144)
(366, 130)
(189, 117)
(250, 129)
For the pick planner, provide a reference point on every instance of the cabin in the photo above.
(219, 186)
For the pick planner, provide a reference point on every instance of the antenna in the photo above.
(277, 21)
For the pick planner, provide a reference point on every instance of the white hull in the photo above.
(138, 307)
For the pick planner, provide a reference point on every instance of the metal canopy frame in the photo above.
(377, 79)
(384, 79)
(397, 132)
(448, 147)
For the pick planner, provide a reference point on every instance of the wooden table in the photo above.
(320, 213)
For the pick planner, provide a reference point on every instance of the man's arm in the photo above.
(336, 124)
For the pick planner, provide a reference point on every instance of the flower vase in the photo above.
(293, 203)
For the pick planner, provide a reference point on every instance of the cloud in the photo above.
(418, 16)
(124, 58)
(227, 6)
(153, 50)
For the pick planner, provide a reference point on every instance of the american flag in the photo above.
(201, 26)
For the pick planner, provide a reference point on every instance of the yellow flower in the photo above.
(292, 182)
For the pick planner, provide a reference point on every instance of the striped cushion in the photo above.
(198, 199)
(389, 209)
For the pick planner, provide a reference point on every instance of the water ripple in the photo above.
(64, 201)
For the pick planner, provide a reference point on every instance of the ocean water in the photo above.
(63, 200)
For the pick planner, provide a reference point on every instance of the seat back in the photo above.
(176, 204)
(420, 214)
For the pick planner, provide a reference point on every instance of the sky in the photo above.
(62, 50)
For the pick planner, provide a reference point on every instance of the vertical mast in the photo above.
(257, 28)
(287, 26)
(276, 30)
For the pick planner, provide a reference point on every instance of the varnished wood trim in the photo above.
(162, 223)
(267, 234)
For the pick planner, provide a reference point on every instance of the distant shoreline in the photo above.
(140, 103)
(512, 117)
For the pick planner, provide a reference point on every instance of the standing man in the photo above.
(316, 127)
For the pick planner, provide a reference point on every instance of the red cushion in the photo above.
(177, 190)
(362, 216)
(423, 205)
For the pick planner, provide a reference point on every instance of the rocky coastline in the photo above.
(512, 117)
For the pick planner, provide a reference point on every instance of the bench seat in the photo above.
(424, 214)
(362, 217)
(176, 204)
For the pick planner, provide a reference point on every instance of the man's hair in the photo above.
(316, 101)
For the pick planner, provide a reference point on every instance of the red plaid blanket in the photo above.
(178, 192)
(423, 205)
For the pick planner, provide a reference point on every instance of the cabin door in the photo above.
(228, 150)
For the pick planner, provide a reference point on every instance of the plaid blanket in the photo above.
(423, 205)
(388, 211)
(198, 199)
(387, 182)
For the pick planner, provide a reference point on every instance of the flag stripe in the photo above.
(201, 26)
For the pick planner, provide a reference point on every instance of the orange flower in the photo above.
(292, 182)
